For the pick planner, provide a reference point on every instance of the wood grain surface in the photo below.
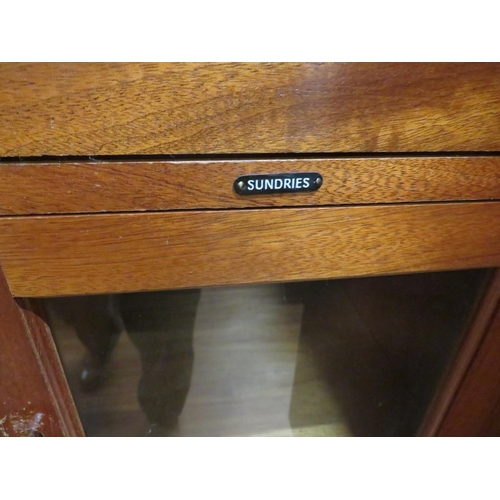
(34, 396)
(154, 108)
(41, 188)
(73, 254)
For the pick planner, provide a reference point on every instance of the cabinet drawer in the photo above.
(85, 187)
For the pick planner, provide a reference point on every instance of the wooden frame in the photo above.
(35, 396)
(452, 414)
(81, 254)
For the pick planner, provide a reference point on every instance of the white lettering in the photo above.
(277, 183)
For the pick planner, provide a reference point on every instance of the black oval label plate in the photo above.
(297, 182)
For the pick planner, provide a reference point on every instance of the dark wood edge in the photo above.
(42, 342)
(486, 309)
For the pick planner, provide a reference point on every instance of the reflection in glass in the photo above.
(332, 358)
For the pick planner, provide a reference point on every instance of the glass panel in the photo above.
(332, 358)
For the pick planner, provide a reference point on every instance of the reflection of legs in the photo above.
(160, 324)
(97, 327)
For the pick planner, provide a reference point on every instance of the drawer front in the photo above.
(86, 187)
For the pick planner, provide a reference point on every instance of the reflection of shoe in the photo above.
(169, 430)
(95, 368)
(94, 372)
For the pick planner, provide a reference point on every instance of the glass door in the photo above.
(346, 357)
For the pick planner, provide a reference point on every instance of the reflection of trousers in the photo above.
(160, 324)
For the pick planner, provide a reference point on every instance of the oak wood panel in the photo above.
(34, 396)
(38, 188)
(155, 108)
(82, 254)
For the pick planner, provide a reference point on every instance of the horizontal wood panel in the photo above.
(77, 254)
(134, 186)
(153, 108)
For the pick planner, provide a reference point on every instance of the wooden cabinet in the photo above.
(118, 178)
